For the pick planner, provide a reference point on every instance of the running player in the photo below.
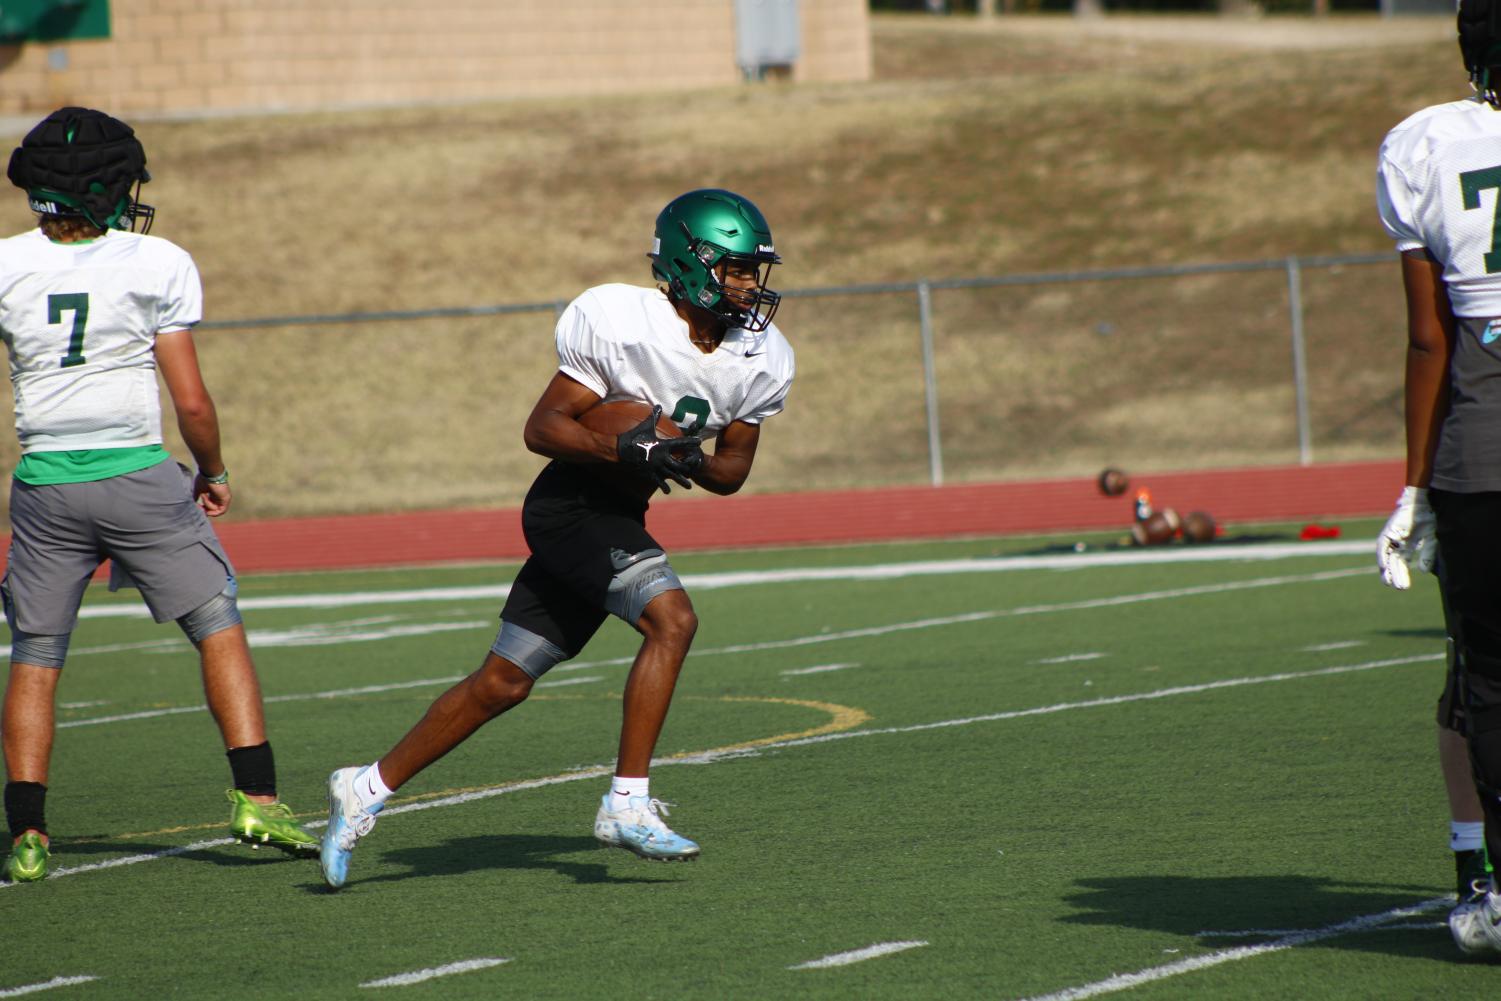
(703, 348)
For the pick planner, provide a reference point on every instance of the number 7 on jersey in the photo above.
(76, 303)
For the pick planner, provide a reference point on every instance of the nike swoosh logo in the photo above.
(754, 354)
(1491, 333)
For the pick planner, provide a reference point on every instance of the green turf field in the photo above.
(1012, 771)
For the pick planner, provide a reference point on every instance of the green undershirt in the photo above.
(85, 465)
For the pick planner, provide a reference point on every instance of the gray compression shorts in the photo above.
(632, 588)
(528, 651)
(145, 522)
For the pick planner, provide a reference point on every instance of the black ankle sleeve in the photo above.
(25, 804)
(254, 769)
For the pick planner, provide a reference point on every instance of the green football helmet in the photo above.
(698, 235)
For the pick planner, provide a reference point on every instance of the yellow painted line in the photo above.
(841, 718)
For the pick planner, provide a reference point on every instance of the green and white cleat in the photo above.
(272, 824)
(28, 859)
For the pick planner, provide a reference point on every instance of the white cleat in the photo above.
(1476, 926)
(347, 823)
(639, 829)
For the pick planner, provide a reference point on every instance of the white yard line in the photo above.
(880, 571)
(563, 682)
(1327, 647)
(1126, 981)
(15, 992)
(1280, 932)
(1069, 658)
(329, 636)
(858, 955)
(315, 634)
(418, 976)
(819, 669)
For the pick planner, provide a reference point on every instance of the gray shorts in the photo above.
(146, 522)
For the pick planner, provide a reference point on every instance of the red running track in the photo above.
(1276, 493)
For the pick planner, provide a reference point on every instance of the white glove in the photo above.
(1407, 542)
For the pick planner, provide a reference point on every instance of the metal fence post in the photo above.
(1300, 360)
(930, 382)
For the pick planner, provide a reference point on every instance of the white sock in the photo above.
(1466, 835)
(370, 789)
(623, 790)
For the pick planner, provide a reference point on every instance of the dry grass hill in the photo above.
(1032, 145)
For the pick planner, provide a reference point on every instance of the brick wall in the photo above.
(208, 55)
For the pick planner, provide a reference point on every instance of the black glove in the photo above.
(640, 448)
(691, 456)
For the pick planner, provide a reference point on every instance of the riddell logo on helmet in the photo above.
(765, 248)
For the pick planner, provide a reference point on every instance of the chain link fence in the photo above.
(1036, 375)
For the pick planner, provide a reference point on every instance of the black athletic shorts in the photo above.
(1470, 551)
(581, 532)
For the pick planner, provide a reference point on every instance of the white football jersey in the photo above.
(628, 343)
(80, 322)
(1438, 187)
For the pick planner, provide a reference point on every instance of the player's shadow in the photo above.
(1433, 633)
(103, 845)
(1234, 911)
(484, 853)
(67, 852)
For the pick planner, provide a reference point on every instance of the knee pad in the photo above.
(41, 651)
(639, 583)
(534, 654)
(215, 615)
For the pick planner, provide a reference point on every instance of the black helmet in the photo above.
(83, 163)
(1480, 45)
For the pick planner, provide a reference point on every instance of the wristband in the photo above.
(219, 480)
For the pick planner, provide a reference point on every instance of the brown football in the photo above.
(1113, 482)
(1198, 526)
(617, 417)
(1157, 529)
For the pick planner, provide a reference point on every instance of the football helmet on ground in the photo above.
(701, 234)
(83, 163)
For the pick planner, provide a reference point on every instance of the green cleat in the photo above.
(28, 859)
(271, 824)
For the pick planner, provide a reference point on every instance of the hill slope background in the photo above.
(1030, 145)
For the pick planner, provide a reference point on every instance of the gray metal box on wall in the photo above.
(767, 34)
